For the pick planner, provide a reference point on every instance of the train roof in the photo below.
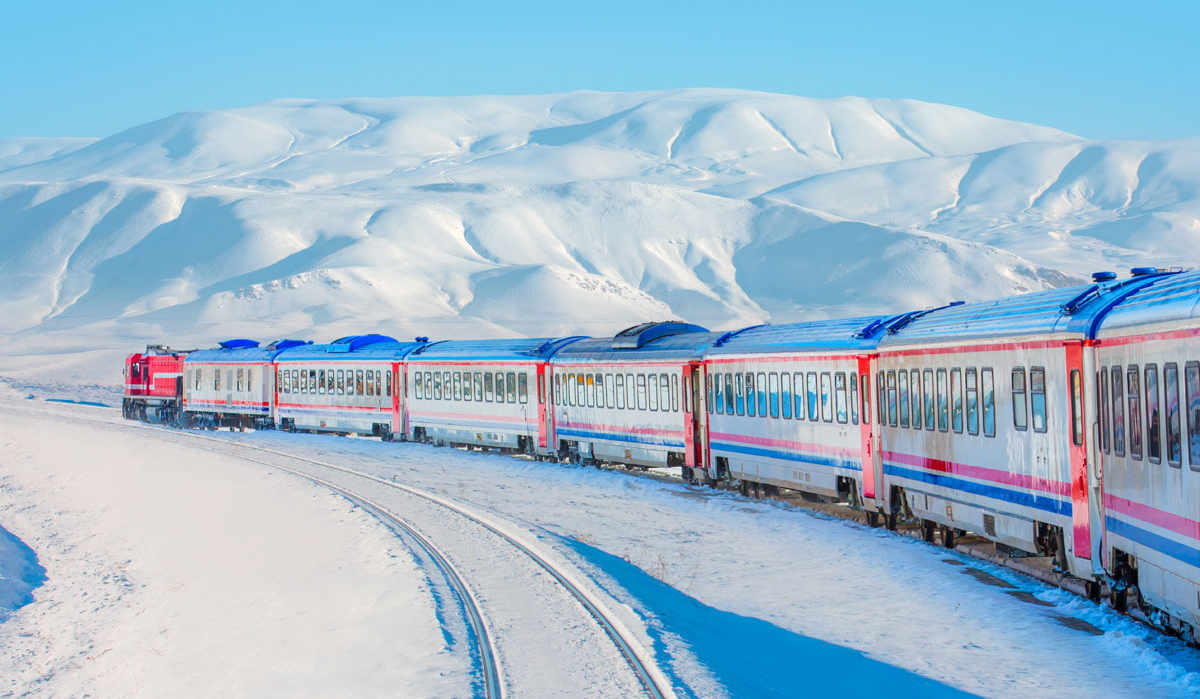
(821, 335)
(1067, 311)
(644, 342)
(242, 351)
(501, 350)
(353, 348)
(1172, 298)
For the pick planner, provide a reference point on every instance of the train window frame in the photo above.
(686, 395)
(785, 395)
(1105, 408)
(510, 387)
(915, 401)
(956, 400)
(1037, 400)
(241, 380)
(619, 390)
(739, 398)
(826, 397)
(718, 404)
(1021, 404)
(929, 399)
(1174, 447)
(489, 387)
(943, 399)
(798, 395)
(358, 382)
(523, 388)
(1117, 396)
(389, 383)
(987, 387)
(1191, 382)
(773, 393)
(1154, 440)
(378, 383)
(865, 396)
(665, 393)
(810, 380)
(729, 397)
(428, 385)
(675, 393)
(216, 380)
(631, 392)
(652, 392)
(882, 399)
(893, 406)
(902, 398)
(1133, 414)
(322, 378)
(641, 391)
(557, 389)
(840, 410)
(760, 384)
(751, 398)
(971, 391)
(854, 397)
(589, 394)
(340, 382)
(610, 391)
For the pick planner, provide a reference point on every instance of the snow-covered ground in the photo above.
(536, 215)
(165, 564)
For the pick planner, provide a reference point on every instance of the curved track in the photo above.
(654, 684)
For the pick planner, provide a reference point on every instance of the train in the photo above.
(1061, 423)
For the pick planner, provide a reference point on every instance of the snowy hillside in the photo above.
(582, 212)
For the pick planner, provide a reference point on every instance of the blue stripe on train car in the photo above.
(1170, 547)
(804, 457)
(632, 438)
(1039, 502)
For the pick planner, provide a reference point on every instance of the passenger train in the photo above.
(1062, 423)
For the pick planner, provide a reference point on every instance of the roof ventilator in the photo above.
(639, 335)
(354, 342)
(238, 344)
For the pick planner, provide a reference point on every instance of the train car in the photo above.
(153, 384)
(233, 385)
(485, 393)
(981, 419)
(1146, 430)
(789, 406)
(351, 385)
(635, 398)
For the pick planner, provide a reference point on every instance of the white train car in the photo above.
(789, 406)
(233, 386)
(634, 399)
(1147, 432)
(486, 393)
(351, 385)
(982, 419)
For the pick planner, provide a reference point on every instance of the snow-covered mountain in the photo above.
(581, 212)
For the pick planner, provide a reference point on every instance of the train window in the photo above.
(717, 405)
(378, 383)
(740, 397)
(631, 391)
(320, 381)
(589, 393)
(428, 386)
(241, 380)
(826, 397)
(568, 388)
(902, 390)
(687, 395)
(505, 390)
(927, 395)
(712, 387)
(761, 384)
(389, 383)
(1020, 409)
(217, 380)
(1171, 401)
(330, 382)
(340, 386)
(455, 378)
(751, 400)
(785, 395)
(728, 394)
(523, 387)
(881, 404)
(674, 392)
(1135, 412)
(541, 389)
(839, 397)
(892, 408)
(854, 398)
(813, 406)
(1037, 397)
(641, 391)
(558, 389)
(196, 374)
(510, 386)
(943, 400)
(1104, 410)
(665, 392)
(652, 391)
(1153, 416)
(1076, 407)
(972, 401)
(457, 385)
(437, 385)
(988, 381)
(358, 382)
(620, 390)
(915, 375)
(610, 391)
(798, 392)
(866, 399)
(956, 400)
(466, 386)
(773, 393)
(1191, 374)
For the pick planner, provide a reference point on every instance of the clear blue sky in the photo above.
(1099, 69)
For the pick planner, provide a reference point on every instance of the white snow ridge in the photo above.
(580, 212)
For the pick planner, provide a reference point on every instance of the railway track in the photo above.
(648, 677)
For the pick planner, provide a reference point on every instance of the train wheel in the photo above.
(927, 530)
(948, 537)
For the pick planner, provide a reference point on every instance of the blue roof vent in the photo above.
(1142, 271)
(421, 338)
(353, 342)
(285, 344)
(238, 344)
(1103, 276)
(639, 335)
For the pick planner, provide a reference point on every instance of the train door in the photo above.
(1081, 544)
(397, 399)
(869, 438)
(547, 423)
(1093, 411)
(695, 410)
(543, 404)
